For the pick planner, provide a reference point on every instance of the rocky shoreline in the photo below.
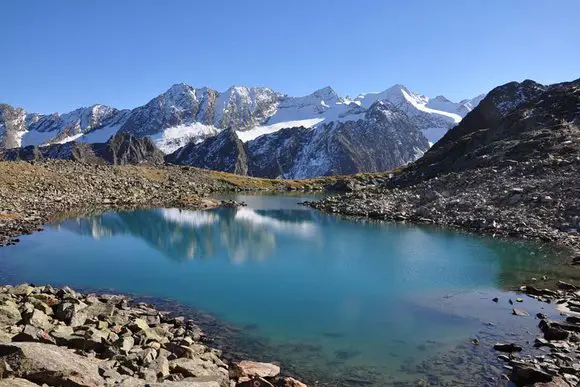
(60, 337)
(559, 365)
(534, 200)
(35, 193)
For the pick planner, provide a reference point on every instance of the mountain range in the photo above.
(284, 136)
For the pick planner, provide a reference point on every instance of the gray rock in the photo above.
(16, 382)
(40, 320)
(33, 334)
(21, 290)
(70, 313)
(9, 313)
(62, 334)
(43, 363)
(250, 369)
(524, 374)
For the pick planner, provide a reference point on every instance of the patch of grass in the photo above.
(9, 216)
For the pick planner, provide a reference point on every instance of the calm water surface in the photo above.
(336, 300)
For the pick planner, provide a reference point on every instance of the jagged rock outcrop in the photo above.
(118, 150)
(383, 139)
(12, 124)
(224, 152)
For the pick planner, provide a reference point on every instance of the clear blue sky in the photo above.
(58, 55)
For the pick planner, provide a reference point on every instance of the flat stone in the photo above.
(44, 363)
(62, 334)
(252, 369)
(16, 382)
(188, 367)
(519, 312)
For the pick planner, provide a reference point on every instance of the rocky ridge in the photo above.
(120, 149)
(61, 337)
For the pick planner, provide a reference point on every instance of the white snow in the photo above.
(171, 139)
(253, 133)
(99, 135)
(423, 107)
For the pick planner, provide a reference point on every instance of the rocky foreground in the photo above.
(59, 337)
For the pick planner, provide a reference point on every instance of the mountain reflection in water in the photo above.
(183, 234)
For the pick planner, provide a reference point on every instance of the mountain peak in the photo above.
(326, 92)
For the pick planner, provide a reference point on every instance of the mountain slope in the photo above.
(224, 152)
(511, 167)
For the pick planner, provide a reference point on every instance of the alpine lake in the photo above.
(337, 301)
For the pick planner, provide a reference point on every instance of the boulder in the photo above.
(188, 382)
(21, 290)
(40, 320)
(34, 334)
(9, 313)
(247, 368)
(188, 367)
(44, 363)
(70, 313)
(160, 366)
(62, 334)
(40, 305)
(525, 374)
(16, 382)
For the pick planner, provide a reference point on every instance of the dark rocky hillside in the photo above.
(511, 167)
(224, 152)
(118, 150)
(514, 122)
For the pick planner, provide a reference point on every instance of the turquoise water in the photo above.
(341, 301)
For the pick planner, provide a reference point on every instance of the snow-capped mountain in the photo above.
(184, 113)
(433, 116)
(381, 139)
